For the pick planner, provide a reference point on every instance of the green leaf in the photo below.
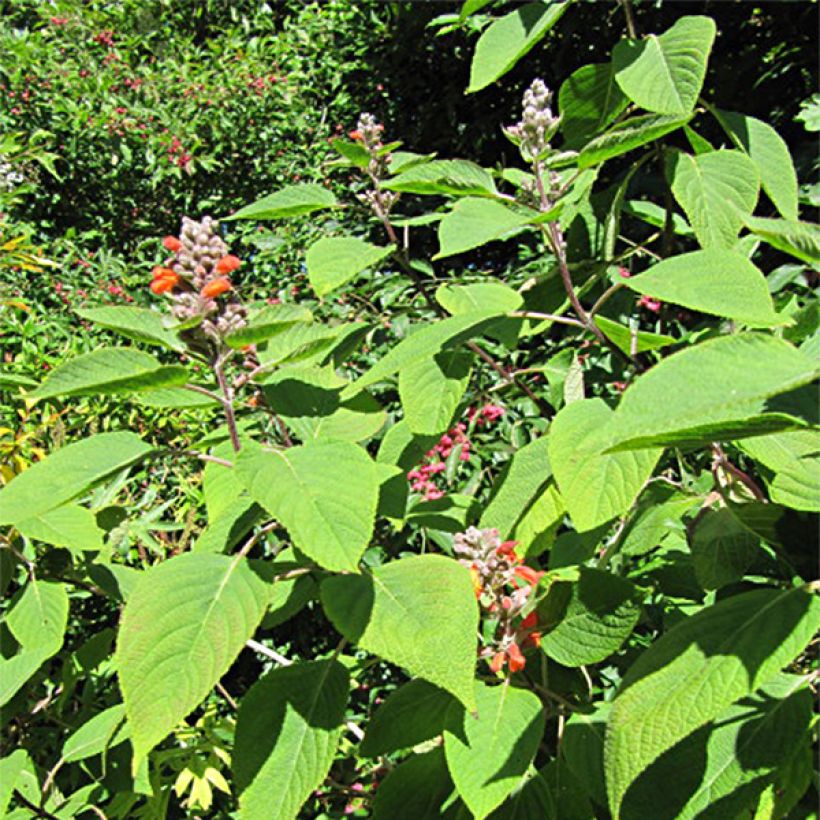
(697, 670)
(308, 343)
(307, 399)
(267, 322)
(506, 40)
(39, 616)
(595, 619)
(424, 343)
(771, 157)
(67, 473)
(653, 214)
(182, 627)
(596, 486)
(287, 731)
(335, 261)
(419, 613)
(795, 459)
(716, 191)
(722, 549)
(491, 296)
(685, 398)
(531, 798)
(174, 398)
(458, 177)
(655, 522)
(354, 152)
(11, 767)
(329, 513)
(16, 671)
(518, 487)
(412, 714)
(628, 135)
(415, 790)
(292, 200)
(109, 370)
(589, 100)
(489, 754)
(474, 222)
(799, 239)
(96, 734)
(665, 74)
(717, 281)
(720, 770)
(15, 380)
(582, 747)
(622, 336)
(431, 390)
(70, 526)
(141, 324)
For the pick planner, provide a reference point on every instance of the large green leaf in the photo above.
(11, 767)
(287, 730)
(334, 261)
(721, 770)
(457, 177)
(266, 323)
(423, 344)
(109, 370)
(38, 616)
(799, 239)
(474, 222)
(415, 790)
(506, 40)
(770, 154)
(67, 473)
(686, 398)
(596, 486)
(717, 281)
(795, 459)
(722, 549)
(457, 299)
(307, 400)
(324, 493)
(628, 135)
(532, 797)
(412, 714)
(418, 612)
(182, 627)
(588, 101)
(597, 614)
(16, 671)
(665, 74)
(70, 526)
(431, 390)
(141, 324)
(698, 669)
(716, 191)
(518, 487)
(489, 754)
(292, 200)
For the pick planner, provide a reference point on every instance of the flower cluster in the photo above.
(422, 477)
(197, 274)
(504, 588)
(368, 132)
(538, 124)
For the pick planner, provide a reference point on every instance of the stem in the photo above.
(230, 417)
(38, 812)
(744, 478)
(545, 317)
(604, 297)
(195, 388)
(202, 457)
(631, 28)
(255, 538)
(269, 653)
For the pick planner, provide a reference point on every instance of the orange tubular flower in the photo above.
(216, 287)
(497, 662)
(530, 621)
(533, 639)
(162, 284)
(356, 135)
(529, 575)
(517, 660)
(172, 244)
(228, 264)
(161, 273)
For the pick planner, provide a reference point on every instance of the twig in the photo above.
(201, 456)
(225, 694)
(604, 297)
(38, 811)
(270, 653)
(195, 388)
(355, 730)
(230, 417)
(255, 538)
(631, 28)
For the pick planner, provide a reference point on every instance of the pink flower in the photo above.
(650, 304)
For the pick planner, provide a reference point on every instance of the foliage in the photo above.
(439, 537)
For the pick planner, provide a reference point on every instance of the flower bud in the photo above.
(172, 244)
